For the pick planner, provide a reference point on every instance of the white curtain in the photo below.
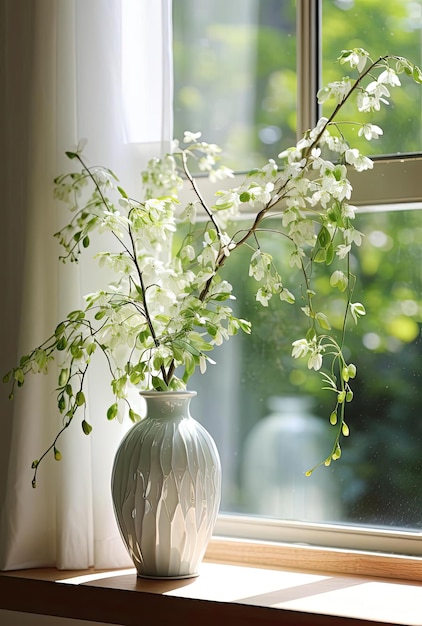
(94, 69)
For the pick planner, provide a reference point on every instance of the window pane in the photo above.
(380, 27)
(270, 419)
(235, 81)
(235, 76)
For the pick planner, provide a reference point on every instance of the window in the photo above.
(241, 89)
(270, 422)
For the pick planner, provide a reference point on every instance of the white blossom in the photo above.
(300, 348)
(370, 131)
(389, 77)
(357, 57)
(220, 173)
(190, 137)
(337, 90)
(263, 295)
(343, 250)
(358, 160)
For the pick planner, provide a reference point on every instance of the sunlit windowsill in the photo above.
(261, 591)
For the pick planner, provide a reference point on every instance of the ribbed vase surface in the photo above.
(166, 487)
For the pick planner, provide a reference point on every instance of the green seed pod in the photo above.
(336, 454)
(333, 418)
(352, 370)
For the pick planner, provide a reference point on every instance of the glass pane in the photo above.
(380, 27)
(270, 418)
(235, 76)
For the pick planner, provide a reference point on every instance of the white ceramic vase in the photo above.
(166, 487)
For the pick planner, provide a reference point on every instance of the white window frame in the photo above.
(393, 181)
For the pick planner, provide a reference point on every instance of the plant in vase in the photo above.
(169, 305)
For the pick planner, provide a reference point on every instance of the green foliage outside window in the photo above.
(382, 467)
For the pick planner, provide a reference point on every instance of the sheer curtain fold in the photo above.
(78, 53)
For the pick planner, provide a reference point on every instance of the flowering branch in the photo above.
(170, 305)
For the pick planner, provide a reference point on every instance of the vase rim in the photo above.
(154, 393)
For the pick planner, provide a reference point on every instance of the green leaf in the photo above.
(324, 237)
(134, 417)
(80, 398)
(19, 376)
(87, 428)
(245, 326)
(63, 376)
(311, 334)
(112, 412)
(329, 254)
(320, 256)
(417, 74)
(190, 365)
(75, 350)
(100, 314)
(339, 279)
(322, 320)
(122, 192)
(90, 349)
(61, 403)
(60, 329)
(24, 360)
(76, 316)
(62, 343)
(158, 384)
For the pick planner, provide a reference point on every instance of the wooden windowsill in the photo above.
(223, 594)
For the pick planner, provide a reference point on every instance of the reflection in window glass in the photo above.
(380, 27)
(235, 76)
(270, 418)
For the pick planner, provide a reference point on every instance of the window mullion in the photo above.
(308, 15)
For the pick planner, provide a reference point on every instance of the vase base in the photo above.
(180, 577)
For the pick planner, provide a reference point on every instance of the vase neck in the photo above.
(168, 404)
